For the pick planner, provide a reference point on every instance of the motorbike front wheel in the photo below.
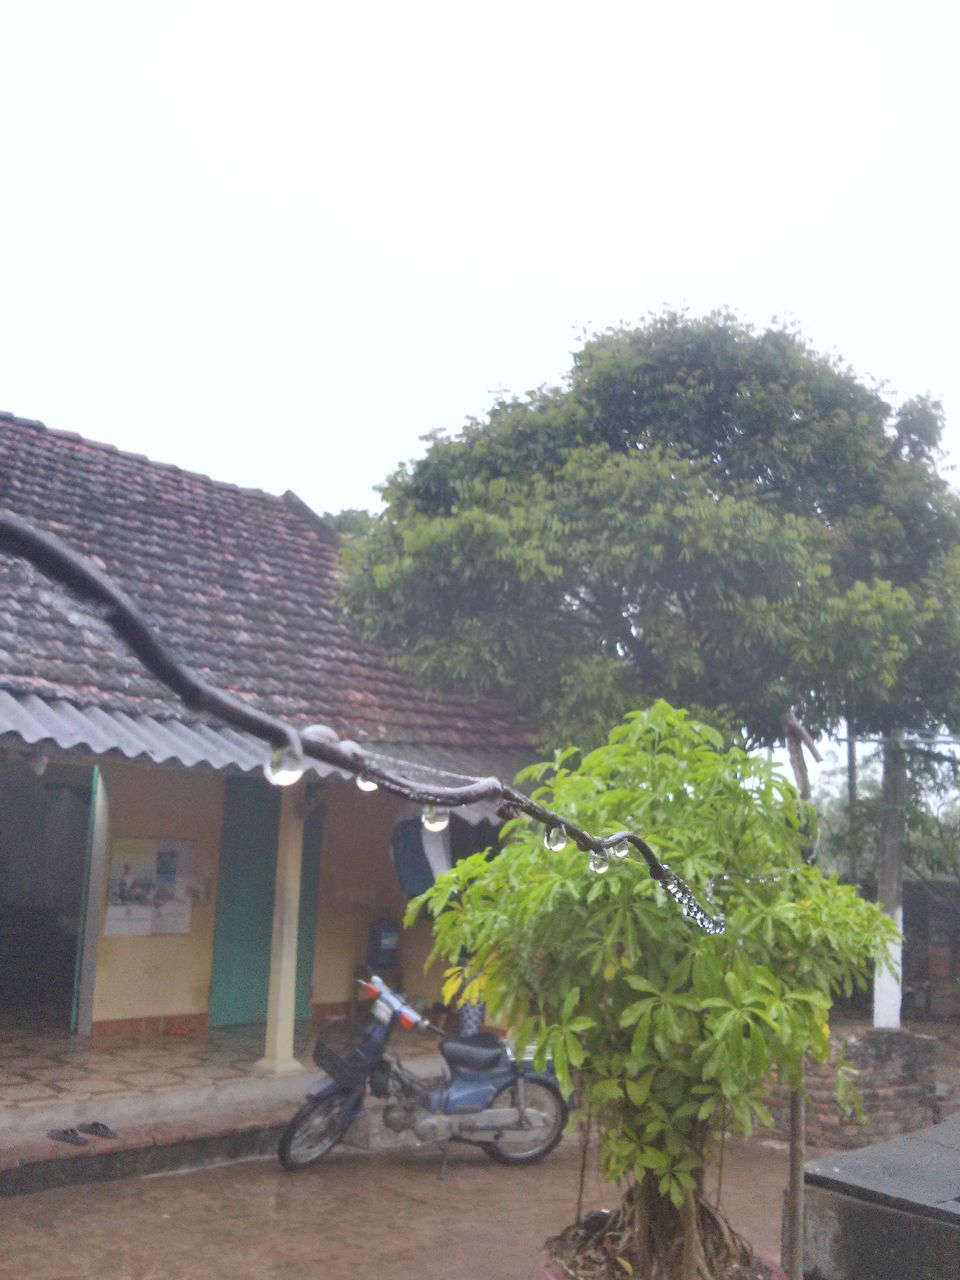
(314, 1130)
(525, 1146)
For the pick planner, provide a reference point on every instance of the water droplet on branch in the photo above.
(435, 819)
(284, 767)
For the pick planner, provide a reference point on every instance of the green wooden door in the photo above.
(244, 917)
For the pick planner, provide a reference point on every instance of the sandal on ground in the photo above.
(98, 1129)
(72, 1136)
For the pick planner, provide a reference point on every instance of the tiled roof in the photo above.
(240, 583)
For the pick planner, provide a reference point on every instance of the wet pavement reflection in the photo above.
(382, 1215)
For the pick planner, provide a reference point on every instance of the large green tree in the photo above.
(702, 512)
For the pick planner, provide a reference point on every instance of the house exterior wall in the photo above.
(158, 982)
(358, 885)
(162, 982)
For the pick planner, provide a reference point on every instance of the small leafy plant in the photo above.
(672, 1036)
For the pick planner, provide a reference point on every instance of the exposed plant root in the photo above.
(647, 1238)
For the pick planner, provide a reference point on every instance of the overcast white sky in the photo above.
(278, 243)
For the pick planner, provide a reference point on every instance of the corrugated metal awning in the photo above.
(36, 721)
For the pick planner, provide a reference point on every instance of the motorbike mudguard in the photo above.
(327, 1089)
(353, 1099)
(546, 1076)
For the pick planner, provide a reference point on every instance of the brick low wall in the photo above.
(896, 1084)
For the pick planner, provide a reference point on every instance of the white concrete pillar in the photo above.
(278, 1058)
(93, 902)
(887, 987)
(887, 983)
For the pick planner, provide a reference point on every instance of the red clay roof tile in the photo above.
(240, 583)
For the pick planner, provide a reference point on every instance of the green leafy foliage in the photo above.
(670, 1034)
(704, 513)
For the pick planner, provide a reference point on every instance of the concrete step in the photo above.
(135, 1110)
(156, 1148)
(170, 1130)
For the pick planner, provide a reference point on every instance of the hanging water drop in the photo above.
(434, 818)
(555, 838)
(365, 783)
(599, 862)
(621, 850)
(284, 767)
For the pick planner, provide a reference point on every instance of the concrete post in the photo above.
(887, 991)
(278, 1058)
(93, 902)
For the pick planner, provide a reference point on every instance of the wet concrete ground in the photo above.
(380, 1216)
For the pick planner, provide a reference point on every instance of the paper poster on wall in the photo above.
(150, 887)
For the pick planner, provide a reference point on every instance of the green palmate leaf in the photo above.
(651, 1158)
(570, 1001)
(733, 986)
(581, 1024)
(606, 1090)
(574, 1049)
(641, 1035)
(638, 1090)
(633, 1012)
(558, 1049)
(639, 983)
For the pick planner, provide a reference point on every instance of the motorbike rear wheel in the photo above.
(314, 1130)
(526, 1146)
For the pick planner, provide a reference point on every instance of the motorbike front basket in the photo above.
(350, 1069)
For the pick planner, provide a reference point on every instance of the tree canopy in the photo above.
(703, 512)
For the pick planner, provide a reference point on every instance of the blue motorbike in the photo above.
(512, 1112)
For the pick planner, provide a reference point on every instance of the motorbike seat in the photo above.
(481, 1052)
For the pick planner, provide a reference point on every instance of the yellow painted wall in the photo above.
(164, 974)
(170, 974)
(358, 885)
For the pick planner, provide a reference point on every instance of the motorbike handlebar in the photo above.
(407, 1015)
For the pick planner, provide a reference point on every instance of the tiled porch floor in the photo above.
(37, 1068)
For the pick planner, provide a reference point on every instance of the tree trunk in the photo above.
(691, 1266)
(887, 993)
(658, 1241)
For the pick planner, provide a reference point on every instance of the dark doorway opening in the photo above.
(44, 832)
